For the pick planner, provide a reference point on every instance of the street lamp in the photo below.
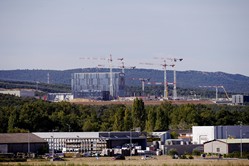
(241, 150)
(28, 143)
(130, 141)
(52, 144)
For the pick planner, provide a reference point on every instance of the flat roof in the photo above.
(91, 135)
(20, 138)
(67, 134)
(234, 141)
(231, 141)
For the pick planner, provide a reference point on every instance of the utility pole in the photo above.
(28, 143)
(241, 148)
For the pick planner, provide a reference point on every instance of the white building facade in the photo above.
(225, 146)
(203, 134)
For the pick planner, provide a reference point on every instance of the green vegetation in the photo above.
(44, 88)
(23, 114)
(40, 87)
(188, 79)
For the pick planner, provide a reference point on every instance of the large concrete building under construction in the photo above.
(98, 86)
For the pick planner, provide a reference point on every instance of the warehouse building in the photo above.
(225, 146)
(240, 99)
(23, 143)
(97, 85)
(57, 97)
(19, 92)
(91, 141)
(203, 134)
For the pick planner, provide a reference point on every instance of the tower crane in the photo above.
(110, 66)
(143, 80)
(216, 88)
(111, 83)
(174, 89)
(165, 76)
(123, 67)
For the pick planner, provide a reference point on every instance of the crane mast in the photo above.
(165, 92)
(216, 90)
(174, 89)
(111, 83)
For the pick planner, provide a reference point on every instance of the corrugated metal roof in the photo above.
(67, 134)
(20, 138)
(234, 141)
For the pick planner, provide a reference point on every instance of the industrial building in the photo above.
(22, 143)
(99, 86)
(91, 141)
(57, 97)
(19, 92)
(225, 146)
(240, 99)
(203, 134)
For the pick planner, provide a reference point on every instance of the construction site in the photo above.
(109, 87)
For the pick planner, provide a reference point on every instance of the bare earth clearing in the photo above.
(159, 161)
(177, 102)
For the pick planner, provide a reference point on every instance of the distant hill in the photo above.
(185, 79)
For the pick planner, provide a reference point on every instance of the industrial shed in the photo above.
(91, 141)
(22, 142)
(225, 146)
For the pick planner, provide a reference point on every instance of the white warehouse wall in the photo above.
(202, 134)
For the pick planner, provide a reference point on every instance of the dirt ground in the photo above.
(146, 102)
(137, 161)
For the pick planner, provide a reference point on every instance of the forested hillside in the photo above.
(46, 88)
(188, 79)
(22, 115)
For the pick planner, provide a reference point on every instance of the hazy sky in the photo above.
(210, 35)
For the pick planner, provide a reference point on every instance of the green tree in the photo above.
(225, 117)
(138, 114)
(128, 120)
(160, 120)
(119, 120)
(151, 119)
(167, 109)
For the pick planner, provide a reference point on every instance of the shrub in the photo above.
(196, 152)
(172, 152)
(190, 157)
(183, 157)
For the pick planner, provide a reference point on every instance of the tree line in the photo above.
(24, 114)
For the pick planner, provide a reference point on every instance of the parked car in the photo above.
(119, 157)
